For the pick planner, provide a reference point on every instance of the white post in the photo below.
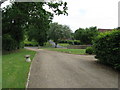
(27, 58)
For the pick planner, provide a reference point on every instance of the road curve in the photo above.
(51, 69)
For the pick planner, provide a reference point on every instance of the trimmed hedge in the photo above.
(77, 42)
(30, 43)
(89, 50)
(107, 48)
(63, 41)
(71, 42)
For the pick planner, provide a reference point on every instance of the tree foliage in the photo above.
(86, 35)
(30, 17)
(58, 32)
(107, 48)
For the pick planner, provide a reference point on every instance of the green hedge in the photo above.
(89, 50)
(107, 48)
(30, 43)
(71, 42)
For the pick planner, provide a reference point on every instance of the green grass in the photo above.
(0, 71)
(64, 44)
(71, 51)
(15, 69)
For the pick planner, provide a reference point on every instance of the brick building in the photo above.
(104, 30)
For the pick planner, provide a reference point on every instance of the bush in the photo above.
(62, 41)
(71, 42)
(107, 48)
(30, 43)
(22, 45)
(89, 50)
(77, 42)
(9, 43)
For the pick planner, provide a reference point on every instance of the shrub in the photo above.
(30, 43)
(22, 45)
(71, 42)
(107, 48)
(9, 43)
(77, 42)
(89, 50)
(62, 41)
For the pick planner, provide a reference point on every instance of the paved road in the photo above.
(52, 69)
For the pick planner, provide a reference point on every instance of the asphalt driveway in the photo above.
(51, 69)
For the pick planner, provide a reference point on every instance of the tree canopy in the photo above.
(86, 35)
(58, 32)
(30, 17)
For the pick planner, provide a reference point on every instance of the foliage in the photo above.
(38, 30)
(58, 32)
(72, 42)
(8, 43)
(107, 48)
(47, 44)
(15, 69)
(12, 32)
(62, 41)
(76, 42)
(86, 36)
(34, 21)
(89, 50)
(64, 44)
(30, 43)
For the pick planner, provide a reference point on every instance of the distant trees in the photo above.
(30, 18)
(58, 32)
(86, 35)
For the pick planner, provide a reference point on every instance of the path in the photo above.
(52, 69)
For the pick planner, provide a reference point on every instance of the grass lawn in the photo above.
(0, 71)
(15, 69)
(64, 44)
(71, 51)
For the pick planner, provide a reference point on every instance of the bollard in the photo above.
(27, 58)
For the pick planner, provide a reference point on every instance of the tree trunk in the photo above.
(55, 45)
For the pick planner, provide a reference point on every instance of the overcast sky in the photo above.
(87, 13)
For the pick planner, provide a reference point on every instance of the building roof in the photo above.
(104, 30)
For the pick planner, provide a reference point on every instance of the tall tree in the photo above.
(21, 16)
(87, 35)
(58, 32)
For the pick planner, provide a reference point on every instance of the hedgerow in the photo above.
(107, 48)
(89, 50)
(71, 42)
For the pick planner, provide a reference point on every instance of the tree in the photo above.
(58, 32)
(118, 28)
(86, 35)
(12, 21)
(17, 20)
